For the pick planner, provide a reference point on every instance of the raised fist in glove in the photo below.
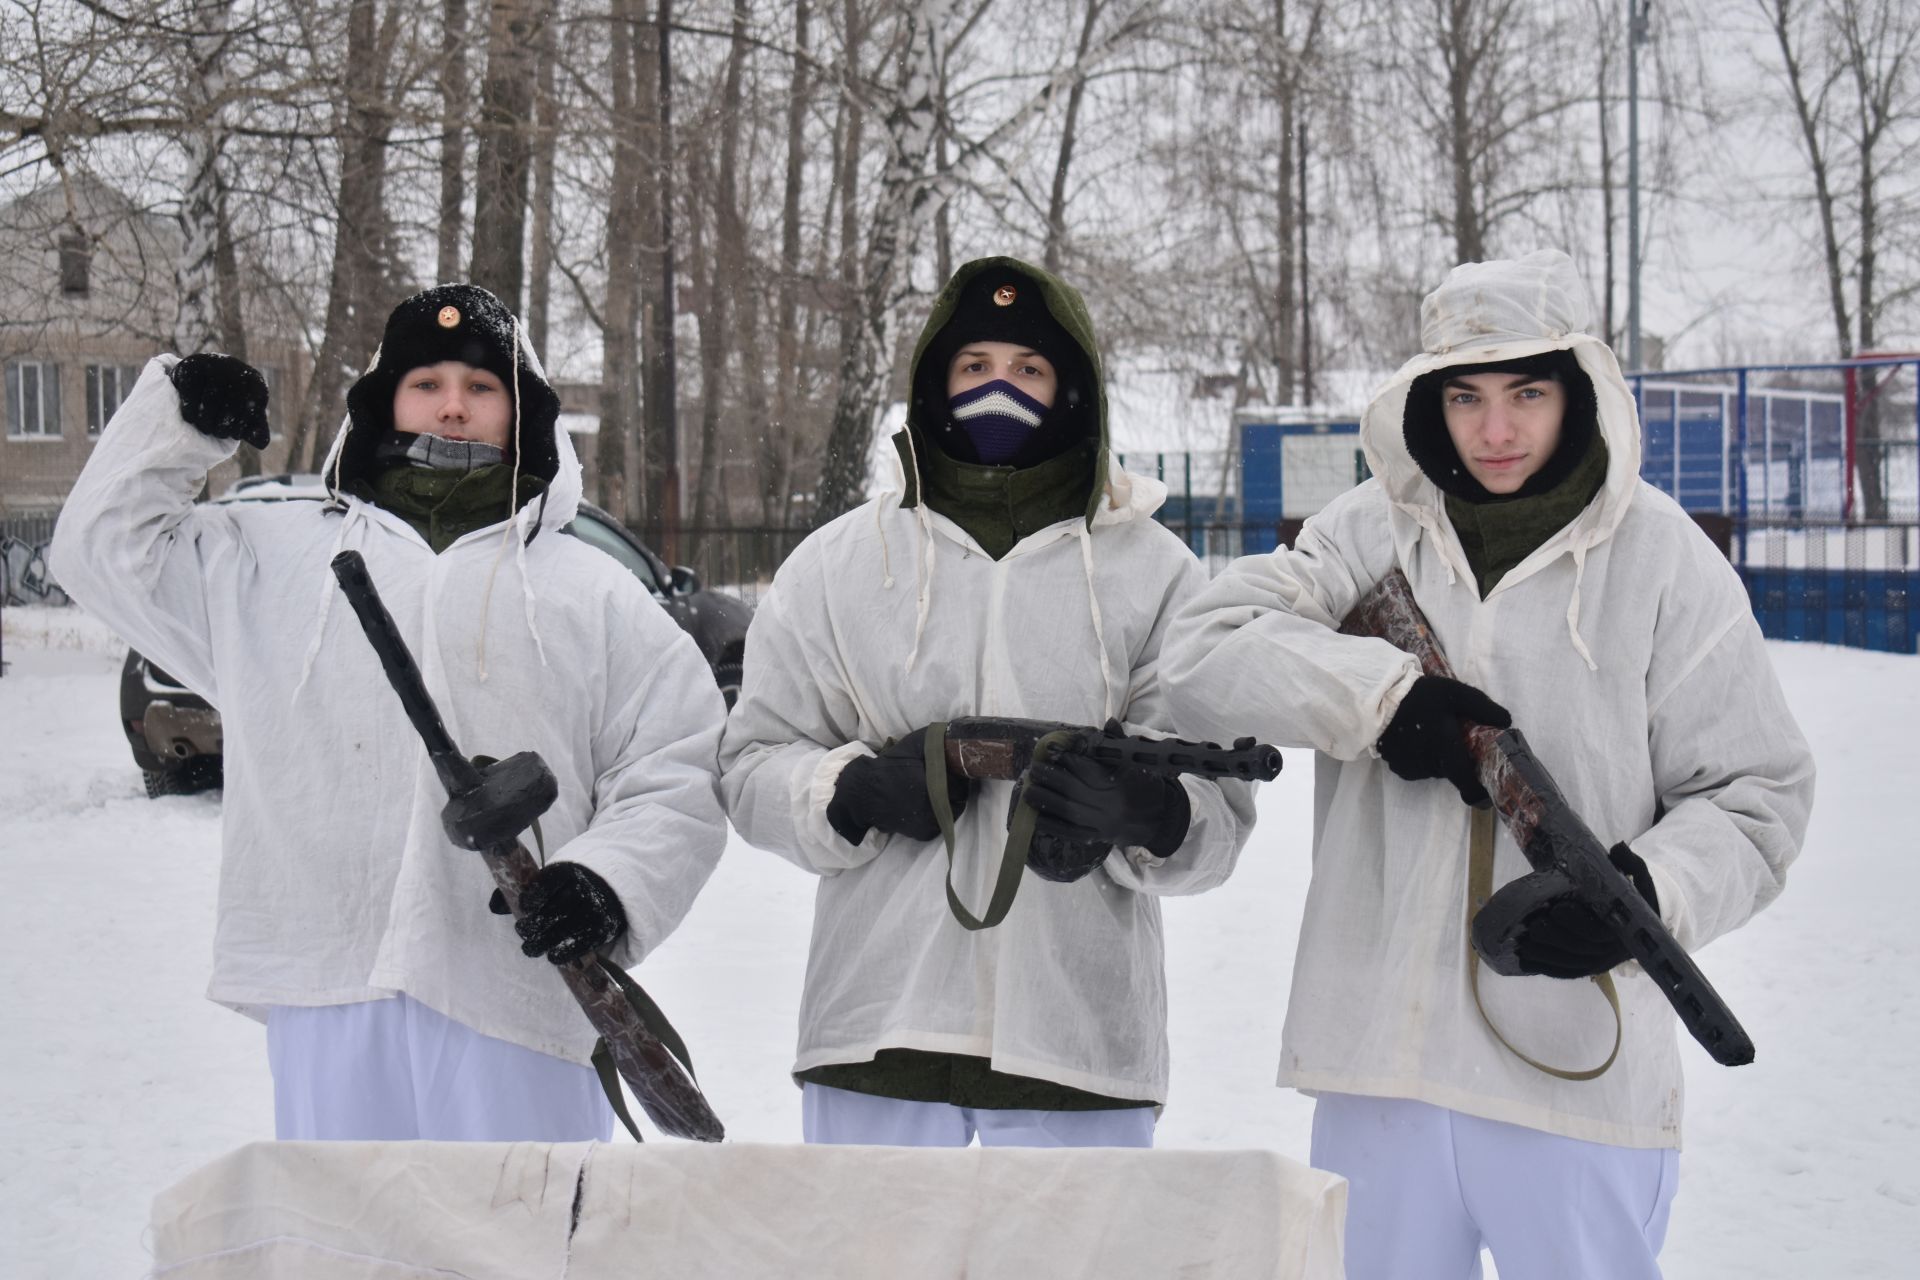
(889, 791)
(223, 397)
(566, 912)
(1427, 736)
(1565, 939)
(1086, 801)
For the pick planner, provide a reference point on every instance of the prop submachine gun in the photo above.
(1568, 859)
(636, 1038)
(1004, 747)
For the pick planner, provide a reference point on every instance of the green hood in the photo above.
(1067, 308)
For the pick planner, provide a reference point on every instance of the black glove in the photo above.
(1057, 858)
(223, 397)
(1566, 939)
(889, 791)
(1427, 736)
(566, 911)
(1088, 801)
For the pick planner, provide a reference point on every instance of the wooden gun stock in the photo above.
(1566, 856)
(613, 1002)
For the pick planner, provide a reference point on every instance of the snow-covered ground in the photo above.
(116, 1077)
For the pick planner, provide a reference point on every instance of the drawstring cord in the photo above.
(923, 530)
(1099, 629)
(924, 558)
(1573, 606)
(886, 557)
(327, 588)
(506, 535)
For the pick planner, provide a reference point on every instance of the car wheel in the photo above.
(202, 773)
(727, 675)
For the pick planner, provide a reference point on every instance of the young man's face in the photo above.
(981, 362)
(1504, 425)
(456, 401)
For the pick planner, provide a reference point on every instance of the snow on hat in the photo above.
(452, 322)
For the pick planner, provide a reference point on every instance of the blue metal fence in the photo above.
(1813, 470)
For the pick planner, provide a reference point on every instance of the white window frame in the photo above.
(100, 406)
(45, 405)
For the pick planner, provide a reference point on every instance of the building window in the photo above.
(76, 262)
(33, 399)
(107, 386)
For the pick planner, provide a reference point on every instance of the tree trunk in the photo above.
(776, 450)
(353, 320)
(1469, 243)
(904, 195)
(1870, 453)
(500, 175)
(453, 138)
(1286, 92)
(734, 289)
(196, 275)
(1606, 185)
(1306, 295)
(1780, 16)
(540, 248)
(232, 312)
(850, 293)
(619, 338)
(662, 439)
(1069, 128)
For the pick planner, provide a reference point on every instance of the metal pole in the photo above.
(1740, 450)
(1188, 456)
(1636, 34)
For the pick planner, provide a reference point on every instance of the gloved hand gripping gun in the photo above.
(1566, 856)
(1004, 747)
(636, 1037)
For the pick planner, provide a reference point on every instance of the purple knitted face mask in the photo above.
(998, 417)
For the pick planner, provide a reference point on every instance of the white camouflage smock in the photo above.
(1626, 650)
(337, 884)
(892, 617)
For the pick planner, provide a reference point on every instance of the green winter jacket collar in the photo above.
(1496, 536)
(1067, 307)
(998, 506)
(444, 506)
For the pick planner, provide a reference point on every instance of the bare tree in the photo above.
(1856, 98)
(907, 196)
(1485, 81)
(514, 30)
(359, 275)
(777, 443)
(540, 236)
(617, 443)
(660, 441)
(454, 106)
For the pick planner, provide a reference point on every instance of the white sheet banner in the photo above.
(507, 1211)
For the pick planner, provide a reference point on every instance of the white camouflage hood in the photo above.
(1486, 312)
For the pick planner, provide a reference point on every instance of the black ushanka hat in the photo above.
(1002, 304)
(451, 322)
(1425, 425)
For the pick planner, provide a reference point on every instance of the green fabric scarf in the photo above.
(444, 506)
(1498, 535)
(999, 506)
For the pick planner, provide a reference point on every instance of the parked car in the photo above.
(175, 733)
